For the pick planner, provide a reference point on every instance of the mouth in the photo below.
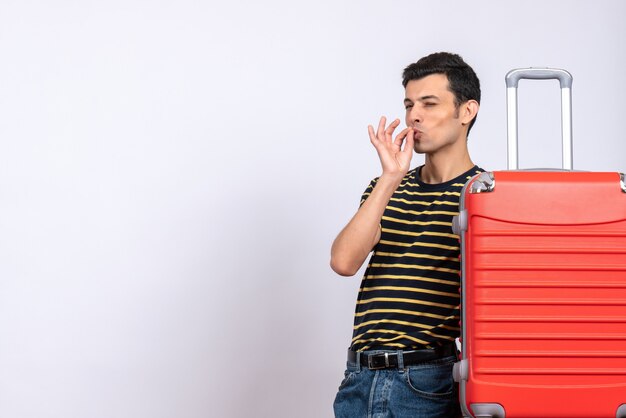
(417, 134)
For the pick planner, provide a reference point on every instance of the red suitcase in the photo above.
(543, 285)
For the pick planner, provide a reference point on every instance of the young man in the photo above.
(407, 313)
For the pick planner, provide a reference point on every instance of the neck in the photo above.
(443, 167)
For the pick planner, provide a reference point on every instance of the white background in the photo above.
(172, 174)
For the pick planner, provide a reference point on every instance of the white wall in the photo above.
(172, 174)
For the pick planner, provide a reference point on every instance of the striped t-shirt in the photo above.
(409, 296)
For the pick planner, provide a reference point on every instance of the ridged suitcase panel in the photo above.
(544, 295)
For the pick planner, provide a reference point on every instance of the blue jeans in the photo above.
(425, 390)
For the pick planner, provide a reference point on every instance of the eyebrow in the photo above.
(421, 99)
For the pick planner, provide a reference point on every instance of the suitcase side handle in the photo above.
(565, 79)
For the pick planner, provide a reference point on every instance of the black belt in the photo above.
(389, 360)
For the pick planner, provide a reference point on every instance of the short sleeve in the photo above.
(368, 191)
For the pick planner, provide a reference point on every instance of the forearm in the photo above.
(362, 233)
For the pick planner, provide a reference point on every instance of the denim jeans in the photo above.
(425, 390)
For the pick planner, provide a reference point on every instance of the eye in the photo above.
(408, 106)
(429, 104)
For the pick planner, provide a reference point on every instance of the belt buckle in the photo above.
(372, 366)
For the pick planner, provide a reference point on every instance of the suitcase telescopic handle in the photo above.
(565, 78)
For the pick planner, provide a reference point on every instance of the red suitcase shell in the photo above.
(543, 294)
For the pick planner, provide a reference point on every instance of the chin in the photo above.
(419, 149)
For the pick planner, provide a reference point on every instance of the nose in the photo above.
(414, 116)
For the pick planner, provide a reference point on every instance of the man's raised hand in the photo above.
(395, 160)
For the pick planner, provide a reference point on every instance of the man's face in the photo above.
(431, 111)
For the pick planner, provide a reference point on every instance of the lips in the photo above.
(417, 134)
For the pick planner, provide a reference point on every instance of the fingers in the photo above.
(392, 157)
(400, 137)
(384, 133)
(381, 128)
(392, 127)
(380, 132)
(410, 142)
(370, 131)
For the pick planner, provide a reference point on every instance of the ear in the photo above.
(469, 110)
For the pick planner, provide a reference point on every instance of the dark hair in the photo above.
(462, 79)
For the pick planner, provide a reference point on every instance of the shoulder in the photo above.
(474, 171)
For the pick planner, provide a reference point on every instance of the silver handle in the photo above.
(514, 76)
(565, 78)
